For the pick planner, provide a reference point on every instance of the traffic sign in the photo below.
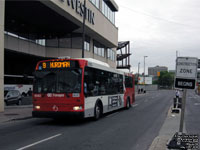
(186, 72)
(185, 83)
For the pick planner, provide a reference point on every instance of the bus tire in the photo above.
(128, 103)
(97, 111)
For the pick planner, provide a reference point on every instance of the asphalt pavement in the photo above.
(192, 119)
(133, 129)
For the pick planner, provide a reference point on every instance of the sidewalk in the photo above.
(16, 113)
(169, 128)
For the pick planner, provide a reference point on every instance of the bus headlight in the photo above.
(77, 107)
(37, 107)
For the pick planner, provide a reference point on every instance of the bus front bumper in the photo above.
(46, 114)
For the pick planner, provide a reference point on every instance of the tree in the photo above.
(166, 79)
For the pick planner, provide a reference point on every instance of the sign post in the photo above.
(186, 74)
(182, 110)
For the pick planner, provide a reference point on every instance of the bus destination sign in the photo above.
(56, 65)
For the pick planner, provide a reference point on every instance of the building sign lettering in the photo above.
(78, 6)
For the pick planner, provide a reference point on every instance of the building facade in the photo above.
(154, 71)
(37, 29)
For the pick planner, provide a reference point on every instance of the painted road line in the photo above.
(134, 105)
(113, 114)
(196, 104)
(49, 138)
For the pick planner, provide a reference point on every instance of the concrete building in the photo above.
(37, 29)
(153, 71)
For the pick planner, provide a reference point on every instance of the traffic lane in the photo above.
(127, 124)
(154, 95)
(192, 119)
(132, 129)
(17, 134)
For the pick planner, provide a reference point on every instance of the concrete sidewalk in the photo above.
(169, 128)
(16, 113)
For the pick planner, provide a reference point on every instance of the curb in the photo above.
(21, 106)
(168, 129)
(22, 118)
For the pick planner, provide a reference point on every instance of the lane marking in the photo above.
(112, 114)
(49, 138)
(134, 105)
(196, 104)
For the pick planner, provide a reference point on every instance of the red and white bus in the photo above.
(79, 87)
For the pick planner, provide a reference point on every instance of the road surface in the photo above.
(132, 129)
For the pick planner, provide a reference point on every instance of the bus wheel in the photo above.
(97, 111)
(128, 104)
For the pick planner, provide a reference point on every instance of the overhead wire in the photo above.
(156, 17)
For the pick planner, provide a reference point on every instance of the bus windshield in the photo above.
(59, 81)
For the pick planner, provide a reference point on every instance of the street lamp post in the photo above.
(138, 76)
(83, 26)
(144, 73)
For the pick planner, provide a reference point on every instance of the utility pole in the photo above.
(138, 76)
(144, 73)
(83, 26)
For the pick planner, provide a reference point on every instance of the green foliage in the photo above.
(155, 82)
(166, 79)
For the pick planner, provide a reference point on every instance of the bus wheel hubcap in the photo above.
(97, 111)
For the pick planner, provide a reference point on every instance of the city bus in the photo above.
(79, 88)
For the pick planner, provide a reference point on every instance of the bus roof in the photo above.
(92, 63)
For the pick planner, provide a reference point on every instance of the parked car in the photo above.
(12, 97)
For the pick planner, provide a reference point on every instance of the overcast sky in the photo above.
(159, 28)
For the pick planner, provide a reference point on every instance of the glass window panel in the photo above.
(88, 46)
(103, 4)
(99, 51)
(103, 52)
(95, 50)
(97, 3)
(76, 42)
